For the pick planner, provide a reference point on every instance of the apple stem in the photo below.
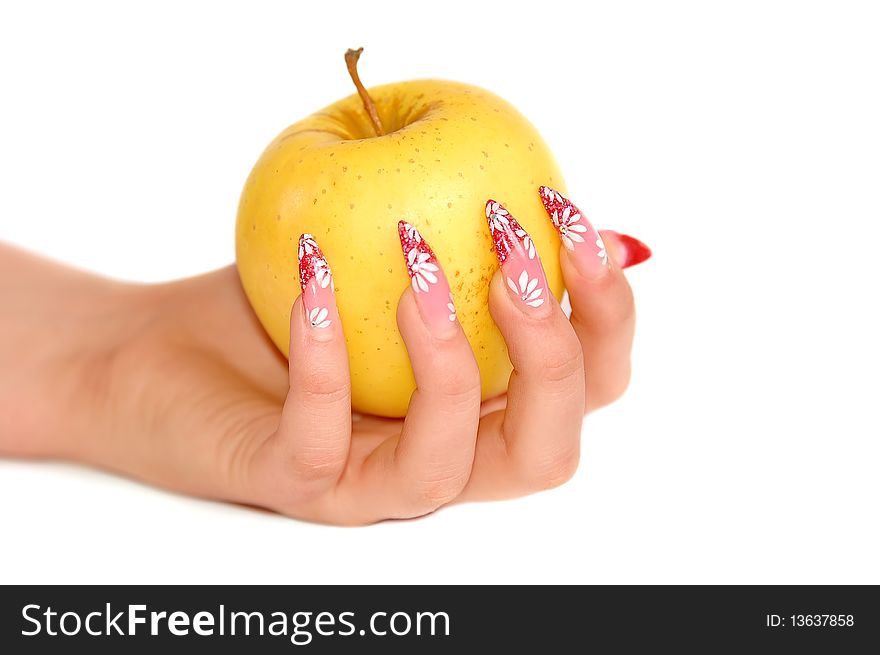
(351, 60)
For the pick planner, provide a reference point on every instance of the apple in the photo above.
(429, 152)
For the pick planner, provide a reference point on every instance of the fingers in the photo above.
(561, 370)
(538, 441)
(603, 313)
(308, 452)
(431, 462)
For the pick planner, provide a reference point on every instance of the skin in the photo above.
(178, 385)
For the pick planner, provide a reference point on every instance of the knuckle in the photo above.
(556, 469)
(321, 383)
(460, 376)
(561, 362)
(317, 465)
(429, 494)
(459, 386)
(301, 484)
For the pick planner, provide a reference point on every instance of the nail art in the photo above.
(316, 282)
(433, 295)
(576, 233)
(516, 253)
(630, 250)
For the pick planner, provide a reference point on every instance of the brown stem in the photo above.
(351, 61)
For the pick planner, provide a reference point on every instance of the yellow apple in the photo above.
(447, 148)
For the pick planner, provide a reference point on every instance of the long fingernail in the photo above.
(629, 250)
(433, 296)
(581, 239)
(316, 281)
(520, 265)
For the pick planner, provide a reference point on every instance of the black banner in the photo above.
(437, 619)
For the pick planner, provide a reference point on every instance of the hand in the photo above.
(188, 393)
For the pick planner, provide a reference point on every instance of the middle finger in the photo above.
(535, 443)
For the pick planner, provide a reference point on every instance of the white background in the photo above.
(740, 140)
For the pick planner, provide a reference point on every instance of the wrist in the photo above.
(62, 335)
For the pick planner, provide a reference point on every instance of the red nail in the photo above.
(580, 238)
(433, 296)
(316, 281)
(516, 253)
(634, 251)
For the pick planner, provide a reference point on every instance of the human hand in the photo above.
(194, 397)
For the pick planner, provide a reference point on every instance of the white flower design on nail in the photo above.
(497, 215)
(602, 253)
(323, 276)
(527, 290)
(413, 233)
(528, 244)
(451, 307)
(307, 245)
(551, 195)
(421, 269)
(569, 226)
(318, 317)
(495, 208)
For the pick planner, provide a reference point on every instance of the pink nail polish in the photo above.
(316, 280)
(433, 296)
(581, 239)
(520, 265)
